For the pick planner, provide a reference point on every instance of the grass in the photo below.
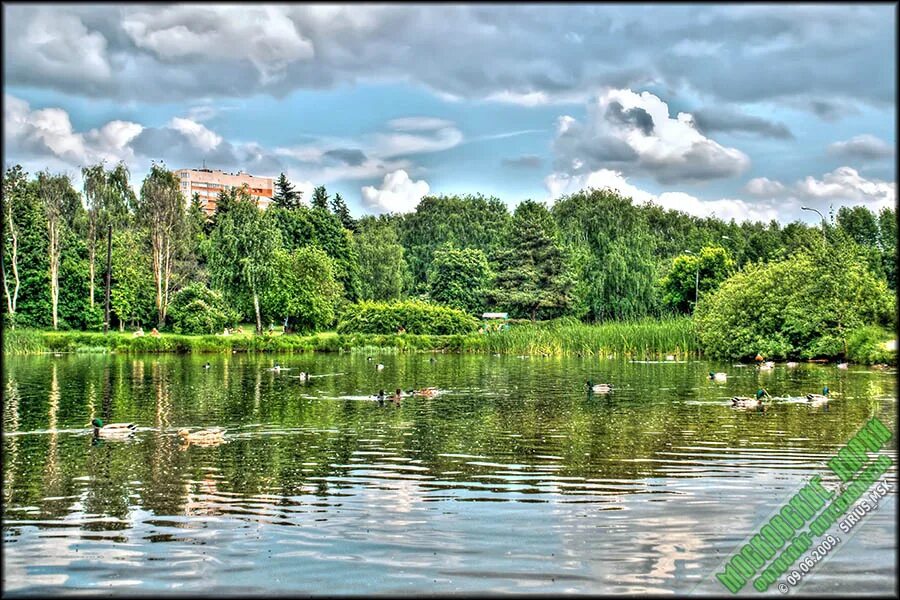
(639, 338)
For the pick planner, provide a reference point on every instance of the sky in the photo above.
(744, 112)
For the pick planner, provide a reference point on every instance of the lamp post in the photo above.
(820, 215)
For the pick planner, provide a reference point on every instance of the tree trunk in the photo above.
(54, 271)
(91, 265)
(258, 317)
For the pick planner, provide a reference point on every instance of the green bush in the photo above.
(866, 345)
(805, 306)
(414, 317)
(197, 309)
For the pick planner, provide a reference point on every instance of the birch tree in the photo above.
(53, 191)
(161, 207)
(14, 183)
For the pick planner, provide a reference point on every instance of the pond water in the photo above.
(512, 479)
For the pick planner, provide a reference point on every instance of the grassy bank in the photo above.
(644, 338)
(647, 338)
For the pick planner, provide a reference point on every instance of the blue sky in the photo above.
(746, 112)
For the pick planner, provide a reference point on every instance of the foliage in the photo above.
(132, 294)
(612, 254)
(533, 280)
(412, 316)
(459, 278)
(463, 221)
(692, 274)
(383, 272)
(867, 345)
(343, 213)
(285, 194)
(320, 198)
(801, 307)
(302, 288)
(242, 249)
(196, 309)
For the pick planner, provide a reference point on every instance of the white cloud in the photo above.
(48, 134)
(398, 193)
(635, 133)
(725, 208)
(431, 135)
(845, 185)
(764, 187)
(264, 35)
(419, 123)
(198, 134)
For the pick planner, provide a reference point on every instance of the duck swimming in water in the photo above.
(202, 437)
(112, 430)
(379, 367)
(206, 366)
(598, 388)
(746, 402)
(817, 399)
(718, 376)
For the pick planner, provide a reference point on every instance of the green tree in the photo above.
(383, 272)
(302, 289)
(462, 221)
(860, 224)
(691, 274)
(459, 278)
(132, 294)
(285, 194)
(196, 309)
(343, 213)
(107, 195)
(804, 306)
(242, 250)
(320, 198)
(15, 189)
(60, 203)
(533, 279)
(612, 254)
(162, 210)
(887, 242)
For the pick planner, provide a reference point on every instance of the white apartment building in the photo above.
(207, 183)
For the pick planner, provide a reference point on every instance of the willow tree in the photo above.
(56, 196)
(161, 208)
(106, 198)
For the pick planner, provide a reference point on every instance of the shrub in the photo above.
(197, 309)
(866, 345)
(804, 306)
(414, 317)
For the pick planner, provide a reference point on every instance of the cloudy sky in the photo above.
(738, 111)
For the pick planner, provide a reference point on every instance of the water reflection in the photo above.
(512, 479)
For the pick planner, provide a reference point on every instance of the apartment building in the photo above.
(207, 183)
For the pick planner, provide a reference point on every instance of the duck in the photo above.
(598, 388)
(427, 392)
(843, 365)
(432, 359)
(766, 366)
(208, 436)
(112, 429)
(206, 366)
(792, 364)
(818, 398)
(718, 376)
(746, 402)
(379, 367)
(302, 376)
(368, 358)
(395, 398)
(670, 357)
(278, 368)
(380, 397)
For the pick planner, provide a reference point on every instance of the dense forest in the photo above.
(593, 256)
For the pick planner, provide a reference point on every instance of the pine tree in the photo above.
(343, 213)
(285, 194)
(532, 279)
(320, 198)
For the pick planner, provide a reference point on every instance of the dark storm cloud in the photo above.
(636, 116)
(167, 52)
(711, 120)
(348, 156)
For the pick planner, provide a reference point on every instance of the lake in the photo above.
(511, 479)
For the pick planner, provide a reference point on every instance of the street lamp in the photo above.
(820, 215)
(696, 279)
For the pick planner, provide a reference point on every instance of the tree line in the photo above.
(593, 255)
